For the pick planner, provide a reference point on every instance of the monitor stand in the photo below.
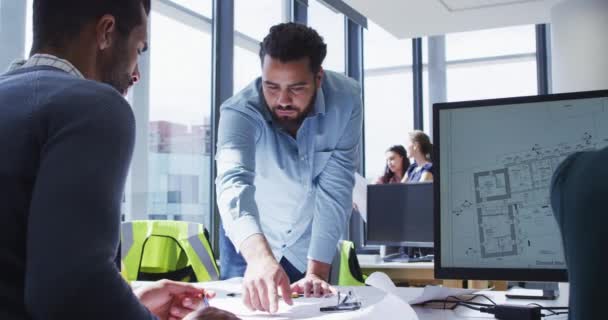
(400, 256)
(547, 291)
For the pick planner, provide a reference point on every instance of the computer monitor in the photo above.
(400, 215)
(493, 162)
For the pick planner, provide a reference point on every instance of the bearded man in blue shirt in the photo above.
(287, 150)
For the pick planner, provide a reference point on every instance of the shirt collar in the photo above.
(49, 60)
(16, 65)
(319, 107)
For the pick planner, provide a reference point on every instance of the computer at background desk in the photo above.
(401, 216)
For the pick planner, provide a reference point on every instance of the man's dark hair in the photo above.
(57, 21)
(292, 41)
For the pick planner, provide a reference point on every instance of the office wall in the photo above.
(580, 44)
(12, 32)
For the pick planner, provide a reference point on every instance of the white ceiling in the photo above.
(461, 5)
(417, 18)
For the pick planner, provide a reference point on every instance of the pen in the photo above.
(238, 294)
(204, 304)
(205, 301)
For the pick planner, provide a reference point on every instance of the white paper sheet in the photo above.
(440, 293)
(381, 281)
(375, 304)
(360, 195)
(391, 302)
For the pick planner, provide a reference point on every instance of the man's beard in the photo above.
(289, 121)
(114, 68)
(293, 122)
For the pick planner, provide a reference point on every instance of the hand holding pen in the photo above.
(207, 312)
(170, 300)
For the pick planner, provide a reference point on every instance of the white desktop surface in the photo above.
(496, 296)
(373, 261)
(376, 304)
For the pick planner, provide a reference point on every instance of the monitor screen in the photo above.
(494, 161)
(400, 215)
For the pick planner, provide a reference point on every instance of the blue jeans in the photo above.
(232, 263)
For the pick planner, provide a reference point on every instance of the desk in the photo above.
(418, 273)
(462, 313)
(376, 304)
(414, 273)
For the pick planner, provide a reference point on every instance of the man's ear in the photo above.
(319, 77)
(105, 31)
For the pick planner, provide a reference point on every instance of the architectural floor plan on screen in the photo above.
(512, 204)
(506, 199)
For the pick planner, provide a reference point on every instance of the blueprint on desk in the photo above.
(375, 304)
(496, 166)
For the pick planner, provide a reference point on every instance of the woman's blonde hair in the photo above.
(424, 142)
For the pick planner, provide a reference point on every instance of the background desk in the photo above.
(415, 273)
(418, 273)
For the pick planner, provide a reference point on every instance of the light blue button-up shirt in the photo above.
(296, 191)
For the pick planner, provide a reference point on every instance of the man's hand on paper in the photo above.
(264, 277)
(171, 300)
(312, 286)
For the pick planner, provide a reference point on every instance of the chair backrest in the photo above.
(157, 249)
(345, 269)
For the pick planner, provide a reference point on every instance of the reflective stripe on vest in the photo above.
(201, 252)
(126, 243)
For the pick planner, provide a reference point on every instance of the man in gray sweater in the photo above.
(578, 198)
(67, 135)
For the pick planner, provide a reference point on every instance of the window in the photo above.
(179, 128)
(494, 79)
(13, 19)
(29, 32)
(183, 189)
(492, 63)
(427, 107)
(486, 64)
(252, 21)
(331, 26)
(490, 43)
(426, 104)
(388, 95)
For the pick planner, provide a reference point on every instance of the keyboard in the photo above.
(421, 259)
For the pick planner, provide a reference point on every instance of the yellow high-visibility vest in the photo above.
(346, 266)
(161, 247)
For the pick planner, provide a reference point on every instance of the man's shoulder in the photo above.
(342, 94)
(81, 95)
(584, 171)
(339, 82)
(52, 92)
(593, 164)
(50, 84)
(248, 101)
(88, 90)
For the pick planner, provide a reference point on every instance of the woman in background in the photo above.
(396, 164)
(420, 149)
